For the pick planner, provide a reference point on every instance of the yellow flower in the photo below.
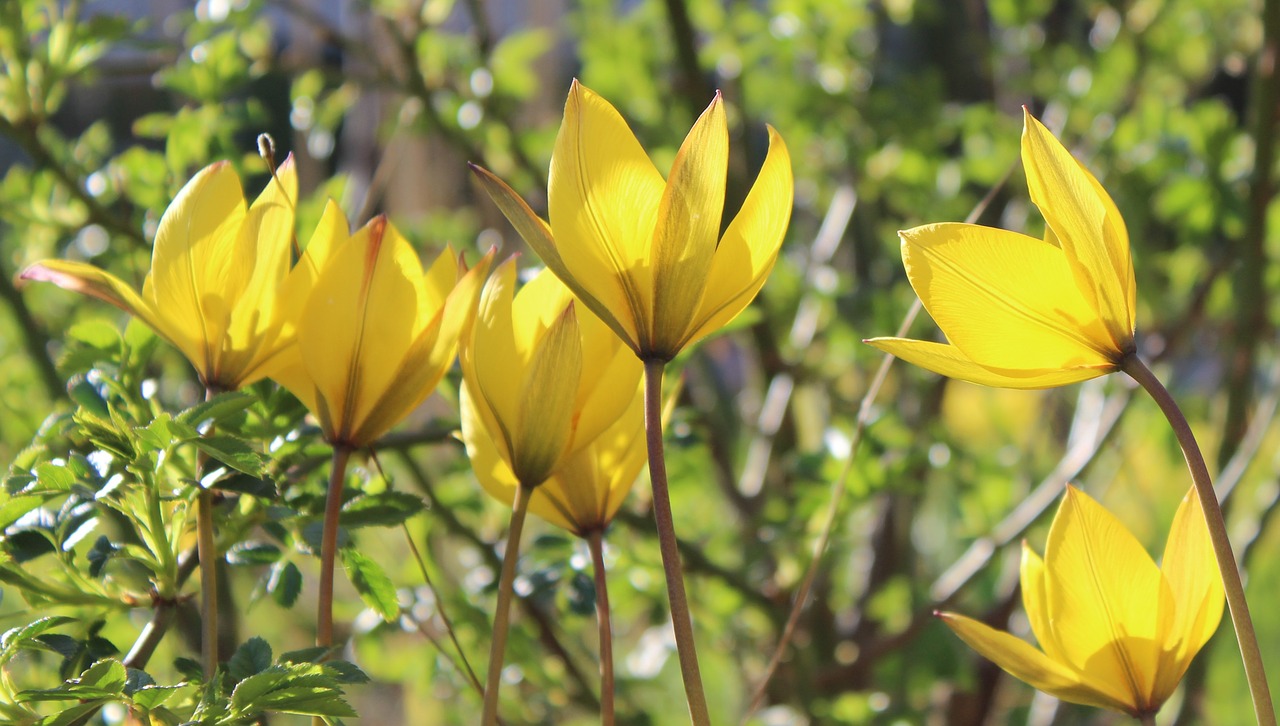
(1116, 631)
(541, 382)
(374, 332)
(643, 253)
(1021, 312)
(216, 268)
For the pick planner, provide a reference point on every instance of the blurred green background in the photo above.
(896, 113)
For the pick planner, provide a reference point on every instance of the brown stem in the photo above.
(1239, 607)
(595, 542)
(329, 545)
(681, 622)
(208, 550)
(502, 616)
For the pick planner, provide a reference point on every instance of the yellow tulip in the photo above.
(542, 382)
(216, 269)
(1020, 312)
(373, 332)
(1115, 630)
(646, 254)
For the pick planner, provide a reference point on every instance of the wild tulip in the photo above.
(1115, 631)
(216, 271)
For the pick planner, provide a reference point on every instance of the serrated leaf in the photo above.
(136, 680)
(107, 675)
(74, 714)
(15, 638)
(54, 477)
(346, 671)
(217, 409)
(13, 508)
(285, 584)
(375, 588)
(249, 690)
(306, 655)
(386, 509)
(252, 553)
(308, 701)
(64, 645)
(233, 452)
(251, 658)
(99, 554)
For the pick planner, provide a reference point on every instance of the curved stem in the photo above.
(329, 544)
(680, 619)
(595, 542)
(506, 588)
(1231, 582)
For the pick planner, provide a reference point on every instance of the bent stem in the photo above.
(680, 619)
(1236, 603)
(506, 588)
(329, 545)
(595, 542)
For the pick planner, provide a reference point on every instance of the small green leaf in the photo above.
(285, 584)
(217, 409)
(252, 553)
(233, 452)
(15, 638)
(251, 658)
(386, 509)
(375, 588)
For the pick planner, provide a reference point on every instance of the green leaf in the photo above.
(149, 697)
(15, 638)
(251, 658)
(252, 553)
(385, 509)
(285, 584)
(55, 477)
(74, 714)
(217, 409)
(375, 588)
(233, 452)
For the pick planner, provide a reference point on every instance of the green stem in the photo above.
(1239, 607)
(595, 542)
(506, 588)
(329, 544)
(208, 553)
(680, 619)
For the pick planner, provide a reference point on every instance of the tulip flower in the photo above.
(646, 254)
(1021, 312)
(216, 269)
(372, 334)
(551, 421)
(1024, 313)
(1115, 631)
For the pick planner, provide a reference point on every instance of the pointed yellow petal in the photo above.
(1087, 225)
(359, 323)
(490, 358)
(1035, 604)
(1190, 568)
(688, 227)
(603, 194)
(949, 361)
(1104, 595)
(749, 249)
(485, 448)
(546, 401)
(612, 309)
(198, 271)
(1004, 299)
(1022, 661)
(94, 282)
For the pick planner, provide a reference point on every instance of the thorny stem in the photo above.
(502, 616)
(1239, 607)
(595, 542)
(329, 544)
(680, 619)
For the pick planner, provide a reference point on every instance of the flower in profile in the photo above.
(1115, 631)
(373, 332)
(1020, 312)
(216, 269)
(646, 254)
(542, 381)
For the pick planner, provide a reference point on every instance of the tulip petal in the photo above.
(197, 273)
(547, 401)
(1022, 661)
(98, 283)
(750, 245)
(1036, 605)
(949, 361)
(1005, 300)
(490, 357)
(1190, 568)
(359, 323)
(1087, 225)
(688, 227)
(537, 235)
(603, 194)
(1104, 597)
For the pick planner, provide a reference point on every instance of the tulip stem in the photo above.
(329, 544)
(502, 616)
(595, 542)
(1232, 584)
(207, 550)
(680, 619)
(1147, 719)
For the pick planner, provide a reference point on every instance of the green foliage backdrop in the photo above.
(897, 113)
